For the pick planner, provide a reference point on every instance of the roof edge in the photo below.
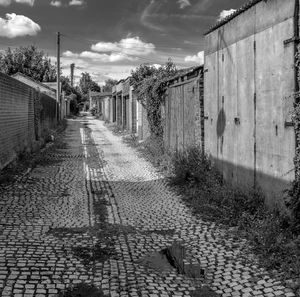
(226, 20)
(33, 80)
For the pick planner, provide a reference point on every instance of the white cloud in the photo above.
(5, 2)
(8, 2)
(93, 56)
(183, 3)
(225, 13)
(56, 3)
(199, 58)
(76, 2)
(105, 58)
(105, 47)
(29, 2)
(157, 66)
(17, 25)
(100, 71)
(132, 46)
(146, 16)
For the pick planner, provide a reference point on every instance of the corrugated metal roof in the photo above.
(245, 7)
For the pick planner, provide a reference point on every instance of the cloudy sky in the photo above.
(108, 38)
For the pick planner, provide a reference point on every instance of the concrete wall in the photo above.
(25, 116)
(248, 82)
(106, 108)
(119, 109)
(134, 111)
(142, 123)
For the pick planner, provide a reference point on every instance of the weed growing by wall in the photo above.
(294, 193)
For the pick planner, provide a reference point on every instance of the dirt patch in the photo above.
(204, 292)
(99, 253)
(82, 290)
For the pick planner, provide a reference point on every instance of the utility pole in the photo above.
(72, 74)
(58, 70)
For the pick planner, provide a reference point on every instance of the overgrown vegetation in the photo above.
(149, 83)
(273, 236)
(293, 199)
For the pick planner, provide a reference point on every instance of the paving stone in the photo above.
(52, 210)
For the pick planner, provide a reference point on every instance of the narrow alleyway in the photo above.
(97, 213)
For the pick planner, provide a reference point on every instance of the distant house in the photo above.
(45, 88)
(101, 102)
(126, 112)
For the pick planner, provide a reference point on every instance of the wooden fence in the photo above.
(183, 112)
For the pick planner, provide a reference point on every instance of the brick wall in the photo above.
(47, 113)
(20, 122)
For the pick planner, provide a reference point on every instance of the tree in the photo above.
(29, 61)
(109, 83)
(86, 84)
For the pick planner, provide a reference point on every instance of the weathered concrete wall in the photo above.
(25, 115)
(143, 129)
(106, 115)
(134, 111)
(249, 75)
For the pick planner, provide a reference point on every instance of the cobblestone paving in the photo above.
(97, 213)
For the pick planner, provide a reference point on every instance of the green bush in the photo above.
(204, 188)
(273, 236)
(294, 205)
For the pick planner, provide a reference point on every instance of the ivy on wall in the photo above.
(149, 83)
(294, 192)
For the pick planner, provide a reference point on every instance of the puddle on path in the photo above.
(170, 258)
(204, 292)
(157, 261)
(82, 290)
(174, 257)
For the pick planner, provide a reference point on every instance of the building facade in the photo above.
(248, 95)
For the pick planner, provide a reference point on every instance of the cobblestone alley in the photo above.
(95, 212)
